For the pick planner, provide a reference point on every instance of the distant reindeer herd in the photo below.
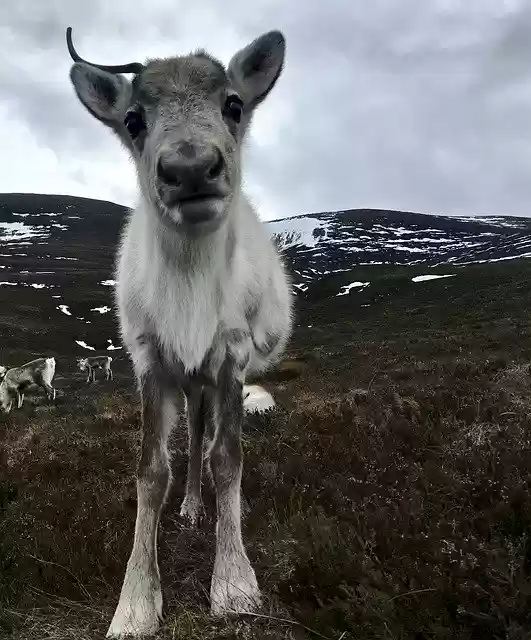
(40, 372)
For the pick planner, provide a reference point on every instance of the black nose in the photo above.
(192, 171)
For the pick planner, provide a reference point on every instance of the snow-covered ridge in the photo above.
(329, 243)
(299, 232)
(315, 247)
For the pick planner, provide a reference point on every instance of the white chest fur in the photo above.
(171, 289)
(184, 312)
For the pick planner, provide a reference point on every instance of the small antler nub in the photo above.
(132, 67)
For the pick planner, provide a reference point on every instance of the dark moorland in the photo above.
(389, 493)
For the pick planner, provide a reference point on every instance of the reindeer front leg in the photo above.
(139, 610)
(192, 507)
(234, 586)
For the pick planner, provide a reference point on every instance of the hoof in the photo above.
(139, 611)
(193, 512)
(234, 589)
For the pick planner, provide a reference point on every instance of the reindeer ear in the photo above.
(254, 70)
(105, 95)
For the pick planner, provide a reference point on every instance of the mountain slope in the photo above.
(319, 244)
(57, 256)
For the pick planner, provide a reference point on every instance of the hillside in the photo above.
(325, 244)
(56, 262)
(389, 493)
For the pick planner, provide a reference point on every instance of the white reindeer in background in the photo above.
(203, 297)
(15, 381)
(92, 363)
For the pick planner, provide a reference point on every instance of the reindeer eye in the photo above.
(134, 123)
(234, 108)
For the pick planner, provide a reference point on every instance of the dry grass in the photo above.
(389, 493)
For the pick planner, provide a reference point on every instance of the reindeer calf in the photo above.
(15, 381)
(96, 362)
(203, 296)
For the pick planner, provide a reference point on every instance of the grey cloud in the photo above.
(419, 106)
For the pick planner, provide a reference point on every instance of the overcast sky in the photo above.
(419, 105)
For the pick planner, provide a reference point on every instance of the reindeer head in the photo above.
(183, 120)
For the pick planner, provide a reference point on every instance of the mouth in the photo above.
(201, 209)
(198, 198)
(195, 210)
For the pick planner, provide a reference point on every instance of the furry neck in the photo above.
(183, 251)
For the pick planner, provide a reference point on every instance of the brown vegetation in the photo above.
(389, 494)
